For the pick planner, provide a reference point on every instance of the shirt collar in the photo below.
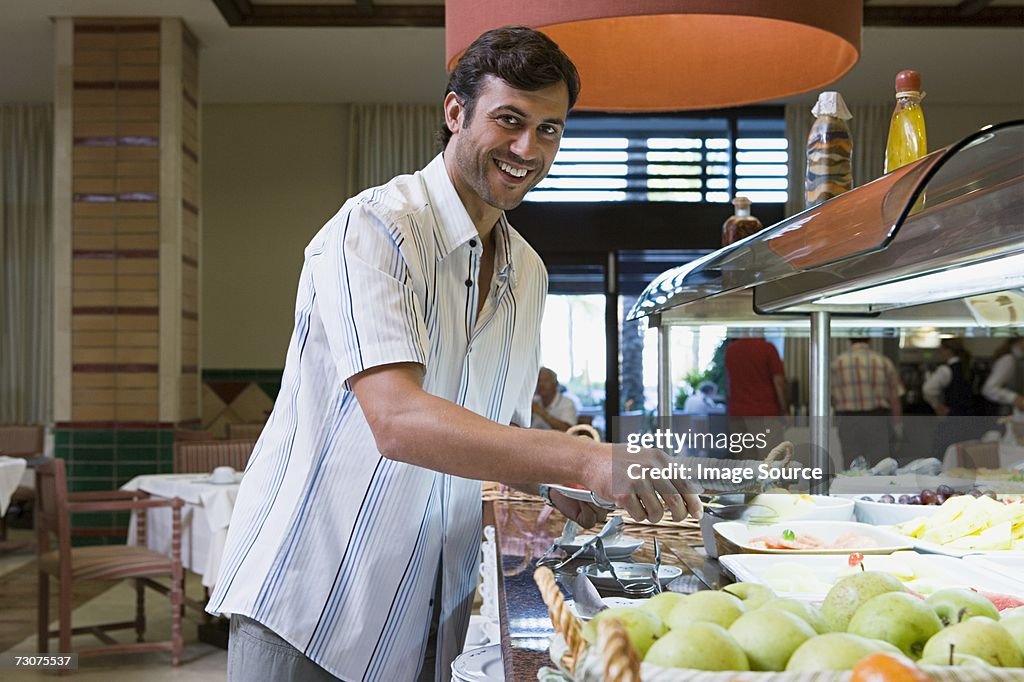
(453, 225)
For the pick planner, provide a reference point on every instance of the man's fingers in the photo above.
(631, 503)
(586, 517)
(694, 506)
(672, 499)
(652, 503)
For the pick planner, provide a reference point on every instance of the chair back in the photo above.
(245, 430)
(51, 506)
(192, 457)
(21, 440)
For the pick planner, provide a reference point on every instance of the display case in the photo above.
(926, 245)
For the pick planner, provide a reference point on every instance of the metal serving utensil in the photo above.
(630, 589)
(569, 531)
(611, 531)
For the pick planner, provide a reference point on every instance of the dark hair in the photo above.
(522, 57)
(1005, 347)
(956, 347)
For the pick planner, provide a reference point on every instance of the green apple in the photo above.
(849, 592)
(836, 651)
(753, 595)
(661, 604)
(701, 646)
(951, 601)
(810, 613)
(898, 618)
(643, 627)
(769, 637)
(977, 636)
(709, 606)
(1014, 624)
(958, 660)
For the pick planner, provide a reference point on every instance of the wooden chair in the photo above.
(108, 562)
(25, 441)
(192, 457)
(245, 430)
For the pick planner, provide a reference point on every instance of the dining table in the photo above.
(11, 471)
(204, 520)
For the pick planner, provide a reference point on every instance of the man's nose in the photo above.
(524, 145)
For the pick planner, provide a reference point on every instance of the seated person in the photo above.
(702, 402)
(551, 408)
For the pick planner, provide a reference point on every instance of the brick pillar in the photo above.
(126, 222)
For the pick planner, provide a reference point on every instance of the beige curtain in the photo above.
(385, 140)
(26, 291)
(869, 129)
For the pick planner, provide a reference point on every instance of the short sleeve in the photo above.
(365, 295)
(775, 361)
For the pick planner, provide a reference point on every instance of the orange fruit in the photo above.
(887, 668)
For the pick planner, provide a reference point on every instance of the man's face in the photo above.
(547, 387)
(508, 145)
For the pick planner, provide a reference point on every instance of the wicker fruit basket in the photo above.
(615, 659)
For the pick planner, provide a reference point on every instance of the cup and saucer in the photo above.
(222, 475)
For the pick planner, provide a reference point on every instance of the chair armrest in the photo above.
(98, 495)
(128, 505)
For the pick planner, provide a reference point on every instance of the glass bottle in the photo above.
(741, 224)
(907, 139)
(829, 150)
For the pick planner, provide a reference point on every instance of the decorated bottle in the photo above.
(829, 150)
(741, 224)
(907, 139)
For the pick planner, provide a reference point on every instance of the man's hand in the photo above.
(644, 499)
(583, 513)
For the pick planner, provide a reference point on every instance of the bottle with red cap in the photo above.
(907, 139)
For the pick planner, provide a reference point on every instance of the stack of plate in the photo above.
(479, 665)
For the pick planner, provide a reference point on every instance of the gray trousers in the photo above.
(255, 652)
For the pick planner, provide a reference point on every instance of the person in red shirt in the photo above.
(757, 388)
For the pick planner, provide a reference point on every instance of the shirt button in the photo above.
(469, 282)
(472, 242)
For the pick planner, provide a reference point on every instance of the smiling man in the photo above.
(354, 543)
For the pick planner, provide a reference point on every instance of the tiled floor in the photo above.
(201, 662)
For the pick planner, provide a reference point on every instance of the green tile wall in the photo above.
(106, 459)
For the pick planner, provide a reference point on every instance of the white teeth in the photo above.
(515, 172)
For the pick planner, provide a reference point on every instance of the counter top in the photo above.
(524, 530)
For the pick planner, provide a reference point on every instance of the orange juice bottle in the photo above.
(907, 139)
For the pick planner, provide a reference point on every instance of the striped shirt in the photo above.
(332, 546)
(863, 380)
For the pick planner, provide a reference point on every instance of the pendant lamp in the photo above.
(675, 55)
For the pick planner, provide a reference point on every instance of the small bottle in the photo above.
(741, 224)
(829, 150)
(907, 139)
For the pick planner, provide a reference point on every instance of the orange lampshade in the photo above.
(672, 55)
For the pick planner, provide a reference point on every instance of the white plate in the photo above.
(610, 602)
(946, 550)
(235, 479)
(883, 514)
(812, 576)
(582, 495)
(628, 572)
(622, 548)
(1006, 564)
(810, 507)
(479, 665)
(740, 534)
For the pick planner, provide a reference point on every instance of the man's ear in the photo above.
(453, 112)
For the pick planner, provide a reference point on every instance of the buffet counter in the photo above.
(524, 530)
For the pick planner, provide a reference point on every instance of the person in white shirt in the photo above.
(702, 402)
(355, 537)
(552, 409)
(1005, 383)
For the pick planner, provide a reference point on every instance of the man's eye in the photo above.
(509, 120)
(550, 130)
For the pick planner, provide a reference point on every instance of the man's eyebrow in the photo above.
(522, 114)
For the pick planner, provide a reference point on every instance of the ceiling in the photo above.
(299, 61)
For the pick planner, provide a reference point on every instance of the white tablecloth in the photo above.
(204, 519)
(11, 469)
